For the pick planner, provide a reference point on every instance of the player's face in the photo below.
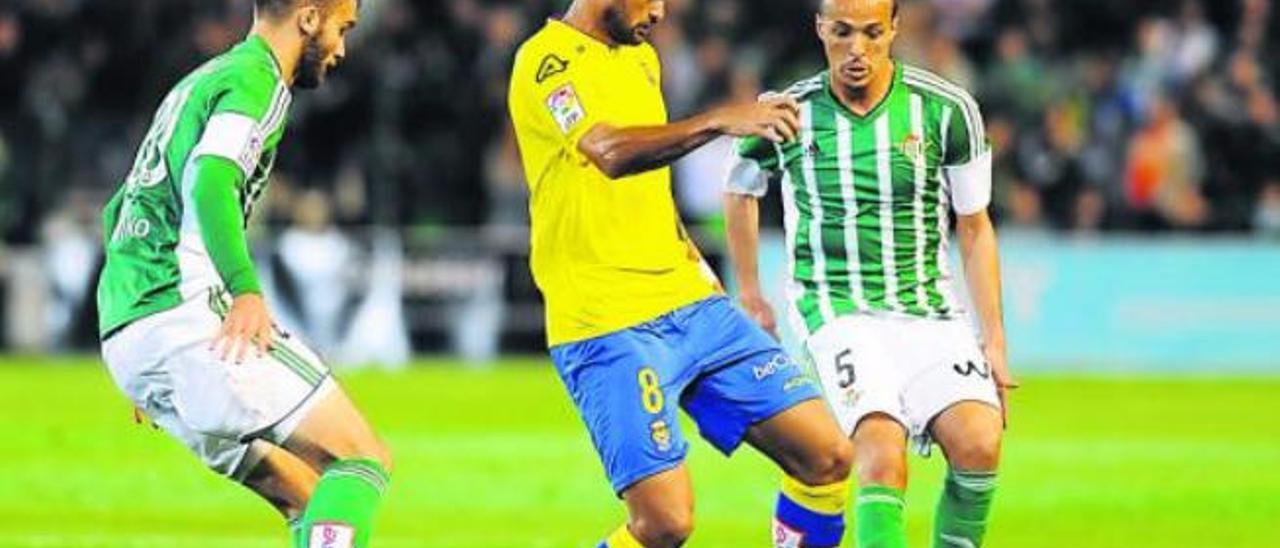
(631, 21)
(857, 35)
(325, 42)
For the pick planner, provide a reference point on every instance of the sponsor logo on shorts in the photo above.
(796, 382)
(332, 535)
(778, 363)
(661, 434)
(969, 368)
(786, 537)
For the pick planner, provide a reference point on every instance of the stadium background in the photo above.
(1137, 194)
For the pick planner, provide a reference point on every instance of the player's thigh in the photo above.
(858, 370)
(626, 386)
(806, 442)
(950, 377)
(332, 429)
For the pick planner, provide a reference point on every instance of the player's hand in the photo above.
(774, 117)
(997, 357)
(759, 310)
(247, 326)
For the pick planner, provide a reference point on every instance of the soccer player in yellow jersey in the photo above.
(636, 323)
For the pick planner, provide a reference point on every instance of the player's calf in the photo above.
(661, 510)
(880, 456)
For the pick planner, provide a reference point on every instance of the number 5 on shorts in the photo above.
(650, 390)
(844, 368)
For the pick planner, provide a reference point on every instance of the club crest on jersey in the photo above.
(565, 107)
(551, 65)
(331, 535)
(913, 147)
(661, 434)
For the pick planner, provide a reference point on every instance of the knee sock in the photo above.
(340, 513)
(809, 515)
(961, 519)
(878, 514)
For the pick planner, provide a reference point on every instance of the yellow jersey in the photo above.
(606, 254)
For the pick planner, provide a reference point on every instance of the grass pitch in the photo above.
(498, 458)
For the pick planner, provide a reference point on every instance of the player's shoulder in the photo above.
(542, 57)
(936, 88)
(805, 89)
(240, 71)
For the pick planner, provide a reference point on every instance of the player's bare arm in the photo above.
(622, 151)
(742, 217)
(982, 273)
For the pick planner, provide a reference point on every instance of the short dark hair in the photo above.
(277, 8)
(819, 4)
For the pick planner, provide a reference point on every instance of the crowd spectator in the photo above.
(1148, 115)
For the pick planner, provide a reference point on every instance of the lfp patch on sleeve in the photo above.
(565, 107)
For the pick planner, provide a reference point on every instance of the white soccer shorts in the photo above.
(163, 363)
(911, 369)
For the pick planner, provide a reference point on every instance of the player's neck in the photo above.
(586, 20)
(863, 100)
(285, 48)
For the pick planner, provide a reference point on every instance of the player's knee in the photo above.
(377, 450)
(975, 452)
(665, 527)
(882, 468)
(829, 466)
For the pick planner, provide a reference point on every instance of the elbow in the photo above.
(606, 153)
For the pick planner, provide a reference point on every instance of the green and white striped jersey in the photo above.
(233, 107)
(867, 199)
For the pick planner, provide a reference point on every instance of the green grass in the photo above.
(498, 458)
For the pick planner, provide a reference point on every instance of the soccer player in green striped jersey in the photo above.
(887, 153)
(186, 333)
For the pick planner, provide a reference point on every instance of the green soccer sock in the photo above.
(878, 517)
(341, 509)
(961, 519)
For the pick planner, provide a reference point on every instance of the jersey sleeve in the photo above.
(967, 161)
(753, 164)
(552, 98)
(247, 107)
(218, 212)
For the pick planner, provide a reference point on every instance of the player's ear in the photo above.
(309, 19)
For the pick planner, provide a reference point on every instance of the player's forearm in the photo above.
(982, 273)
(221, 223)
(623, 151)
(742, 225)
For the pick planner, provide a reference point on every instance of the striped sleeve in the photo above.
(248, 109)
(964, 136)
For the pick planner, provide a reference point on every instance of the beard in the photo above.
(615, 23)
(311, 68)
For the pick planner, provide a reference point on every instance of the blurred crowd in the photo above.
(1137, 115)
